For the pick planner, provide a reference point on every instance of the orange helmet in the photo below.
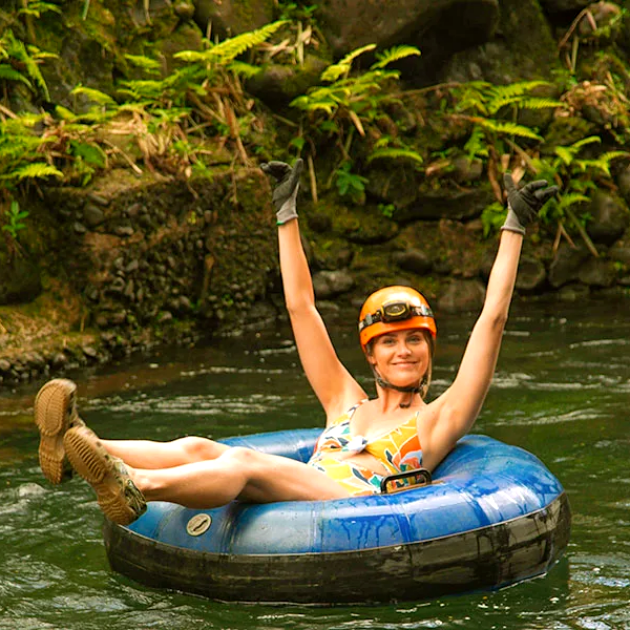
(392, 309)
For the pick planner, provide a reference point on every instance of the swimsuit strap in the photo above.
(345, 417)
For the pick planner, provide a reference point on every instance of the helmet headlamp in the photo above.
(395, 311)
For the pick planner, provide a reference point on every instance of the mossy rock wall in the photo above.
(147, 252)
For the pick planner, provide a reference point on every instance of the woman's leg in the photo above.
(55, 412)
(238, 473)
(150, 455)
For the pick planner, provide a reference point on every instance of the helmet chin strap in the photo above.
(408, 389)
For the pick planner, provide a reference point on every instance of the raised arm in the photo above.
(455, 412)
(333, 385)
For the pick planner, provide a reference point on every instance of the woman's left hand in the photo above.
(524, 203)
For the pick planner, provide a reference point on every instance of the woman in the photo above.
(364, 440)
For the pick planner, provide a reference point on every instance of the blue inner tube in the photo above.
(493, 516)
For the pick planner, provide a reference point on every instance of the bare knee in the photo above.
(198, 449)
(241, 457)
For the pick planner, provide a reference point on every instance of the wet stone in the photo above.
(412, 260)
(117, 286)
(58, 360)
(98, 199)
(90, 352)
(93, 215)
(123, 230)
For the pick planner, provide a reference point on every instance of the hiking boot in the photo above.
(55, 412)
(117, 495)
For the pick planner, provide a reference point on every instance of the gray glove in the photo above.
(524, 203)
(286, 189)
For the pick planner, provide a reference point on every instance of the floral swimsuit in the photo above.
(397, 450)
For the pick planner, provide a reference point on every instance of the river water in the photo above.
(562, 391)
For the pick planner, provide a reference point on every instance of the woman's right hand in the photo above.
(286, 189)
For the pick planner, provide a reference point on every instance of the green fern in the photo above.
(476, 146)
(144, 63)
(540, 103)
(578, 178)
(29, 58)
(506, 128)
(228, 50)
(93, 95)
(242, 69)
(394, 54)
(392, 153)
(36, 170)
(602, 163)
(343, 67)
(37, 7)
(8, 73)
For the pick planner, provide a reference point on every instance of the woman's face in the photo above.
(402, 357)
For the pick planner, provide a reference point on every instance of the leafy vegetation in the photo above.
(199, 115)
(349, 103)
(577, 178)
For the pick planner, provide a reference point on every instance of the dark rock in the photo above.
(620, 251)
(58, 360)
(566, 265)
(165, 317)
(327, 307)
(371, 229)
(328, 284)
(20, 280)
(129, 291)
(573, 292)
(118, 318)
(90, 352)
(531, 274)
(184, 9)
(462, 295)
(465, 170)
(33, 360)
(525, 49)
(609, 218)
(319, 222)
(123, 230)
(117, 285)
(93, 215)
(345, 257)
(412, 260)
(439, 27)
(99, 200)
(442, 266)
(561, 6)
(597, 272)
(623, 182)
(447, 203)
(184, 304)
(280, 84)
(233, 17)
(565, 131)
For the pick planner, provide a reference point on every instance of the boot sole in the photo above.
(90, 460)
(52, 417)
